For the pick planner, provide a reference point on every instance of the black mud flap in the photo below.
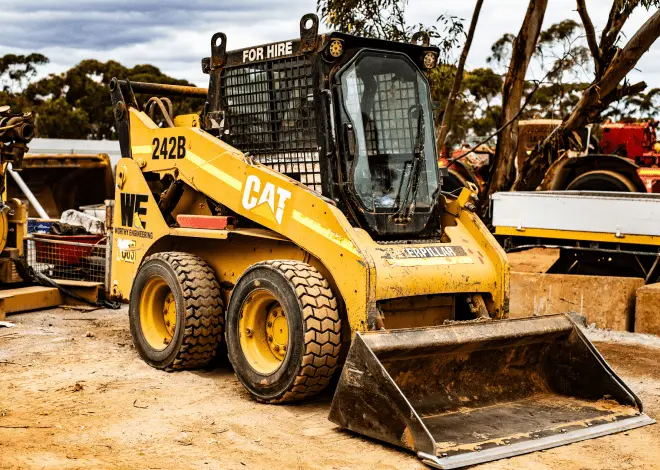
(465, 394)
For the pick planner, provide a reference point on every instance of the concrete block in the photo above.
(647, 309)
(609, 302)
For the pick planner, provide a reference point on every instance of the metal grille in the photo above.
(385, 108)
(67, 260)
(389, 129)
(270, 113)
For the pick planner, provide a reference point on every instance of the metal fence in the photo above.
(81, 260)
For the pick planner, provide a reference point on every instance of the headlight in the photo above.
(336, 48)
(430, 60)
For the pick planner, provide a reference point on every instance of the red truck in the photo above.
(625, 159)
(636, 141)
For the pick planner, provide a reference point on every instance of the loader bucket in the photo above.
(464, 394)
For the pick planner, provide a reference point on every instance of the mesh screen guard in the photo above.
(270, 113)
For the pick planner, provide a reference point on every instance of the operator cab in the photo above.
(348, 117)
(388, 150)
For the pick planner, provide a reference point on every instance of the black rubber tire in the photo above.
(314, 331)
(199, 311)
(453, 181)
(602, 180)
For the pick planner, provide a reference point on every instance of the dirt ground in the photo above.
(536, 260)
(75, 394)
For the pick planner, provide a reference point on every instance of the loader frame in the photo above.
(196, 219)
(300, 223)
(303, 206)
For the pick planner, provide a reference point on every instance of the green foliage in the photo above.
(477, 110)
(559, 51)
(16, 70)
(384, 19)
(76, 104)
(638, 107)
(563, 58)
(627, 6)
(501, 49)
(61, 120)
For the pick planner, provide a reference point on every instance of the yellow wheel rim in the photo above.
(263, 332)
(157, 313)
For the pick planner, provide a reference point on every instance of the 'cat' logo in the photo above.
(254, 196)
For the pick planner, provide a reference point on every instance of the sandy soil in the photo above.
(536, 260)
(86, 400)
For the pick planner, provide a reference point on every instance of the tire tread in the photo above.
(321, 325)
(204, 309)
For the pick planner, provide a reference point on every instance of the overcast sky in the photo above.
(175, 35)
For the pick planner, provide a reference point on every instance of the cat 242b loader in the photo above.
(301, 215)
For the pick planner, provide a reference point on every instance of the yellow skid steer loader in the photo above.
(301, 214)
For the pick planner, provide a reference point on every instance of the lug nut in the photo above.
(270, 338)
(269, 324)
(276, 348)
(248, 332)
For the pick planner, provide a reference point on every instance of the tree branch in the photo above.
(502, 171)
(627, 57)
(622, 92)
(451, 100)
(504, 126)
(615, 21)
(591, 36)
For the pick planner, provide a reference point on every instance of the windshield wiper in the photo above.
(403, 214)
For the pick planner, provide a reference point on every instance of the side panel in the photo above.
(137, 225)
(617, 215)
(260, 194)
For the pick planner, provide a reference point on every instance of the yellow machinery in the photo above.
(18, 291)
(301, 214)
(64, 181)
(16, 131)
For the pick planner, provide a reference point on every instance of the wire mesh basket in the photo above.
(73, 257)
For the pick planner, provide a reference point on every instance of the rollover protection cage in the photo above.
(348, 117)
(269, 112)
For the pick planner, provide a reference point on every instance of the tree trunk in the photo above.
(503, 170)
(451, 100)
(598, 96)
